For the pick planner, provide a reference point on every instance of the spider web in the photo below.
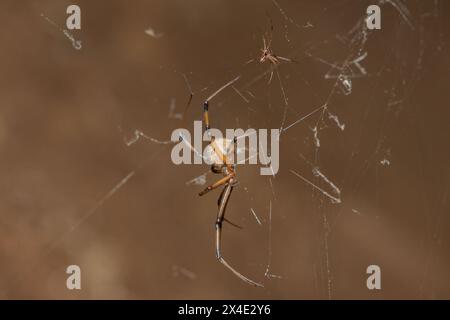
(354, 69)
(338, 119)
(348, 70)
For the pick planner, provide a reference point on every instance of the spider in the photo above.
(267, 54)
(218, 152)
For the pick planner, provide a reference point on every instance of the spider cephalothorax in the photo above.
(267, 55)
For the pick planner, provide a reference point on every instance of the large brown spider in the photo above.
(218, 152)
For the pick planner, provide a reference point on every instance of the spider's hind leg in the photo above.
(219, 203)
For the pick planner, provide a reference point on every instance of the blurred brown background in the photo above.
(65, 113)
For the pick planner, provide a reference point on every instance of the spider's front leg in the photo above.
(206, 115)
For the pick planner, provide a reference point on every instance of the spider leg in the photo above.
(220, 218)
(206, 103)
(219, 201)
(249, 61)
(271, 76)
(232, 223)
(284, 59)
(206, 115)
(217, 184)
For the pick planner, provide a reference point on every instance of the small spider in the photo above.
(218, 152)
(268, 55)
